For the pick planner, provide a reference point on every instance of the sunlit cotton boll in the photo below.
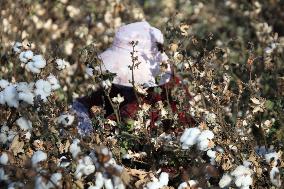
(189, 137)
(43, 89)
(25, 56)
(3, 83)
(65, 119)
(53, 81)
(11, 96)
(75, 148)
(225, 181)
(204, 139)
(36, 64)
(85, 167)
(24, 124)
(163, 181)
(4, 158)
(275, 177)
(37, 157)
(242, 176)
(25, 92)
(17, 47)
(31, 68)
(89, 71)
(61, 64)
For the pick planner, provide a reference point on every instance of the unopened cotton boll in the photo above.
(74, 148)
(189, 137)
(4, 158)
(65, 119)
(11, 96)
(225, 181)
(24, 124)
(43, 89)
(38, 156)
(53, 81)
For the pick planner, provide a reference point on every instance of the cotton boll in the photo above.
(74, 148)
(272, 157)
(188, 184)
(3, 176)
(89, 71)
(17, 47)
(39, 61)
(189, 137)
(61, 64)
(225, 181)
(55, 179)
(3, 83)
(27, 97)
(204, 139)
(65, 119)
(108, 184)
(25, 56)
(88, 169)
(4, 158)
(11, 96)
(38, 156)
(275, 177)
(43, 89)
(3, 138)
(31, 68)
(164, 178)
(99, 180)
(53, 81)
(154, 185)
(2, 98)
(24, 124)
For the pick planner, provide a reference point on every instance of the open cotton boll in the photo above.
(17, 47)
(55, 179)
(275, 177)
(164, 178)
(24, 124)
(11, 96)
(272, 157)
(61, 64)
(37, 157)
(188, 184)
(43, 89)
(99, 180)
(89, 71)
(26, 55)
(2, 98)
(242, 176)
(53, 81)
(3, 83)
(189, 137)
(31, 68)
(65, 119)
(4, 158)
(3, 176)
(74, 148)
(204, 139)
(108, 184)
(225, 181)
(39, 61)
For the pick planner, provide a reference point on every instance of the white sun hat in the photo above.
(117, 58)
